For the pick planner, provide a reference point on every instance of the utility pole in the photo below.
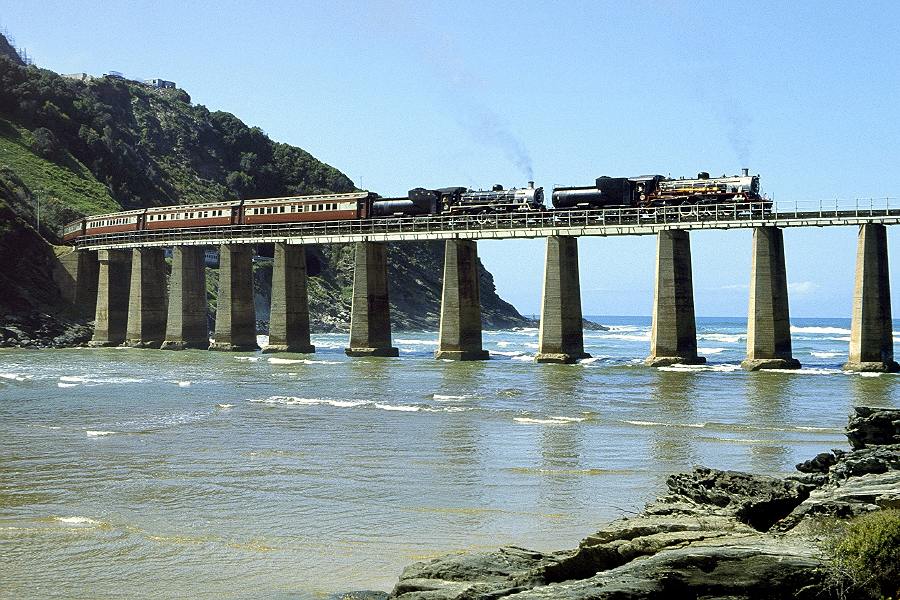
(37, 201)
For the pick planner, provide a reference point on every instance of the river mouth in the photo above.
(205, 474)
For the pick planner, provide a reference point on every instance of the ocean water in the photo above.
(134, 473)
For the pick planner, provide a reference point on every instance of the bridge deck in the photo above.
(608, 222)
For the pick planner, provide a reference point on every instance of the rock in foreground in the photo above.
(716, 534)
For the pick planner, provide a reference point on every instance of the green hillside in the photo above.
(99, 144)
(65, 189)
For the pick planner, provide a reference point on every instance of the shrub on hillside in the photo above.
(45, 143)
(865, 556)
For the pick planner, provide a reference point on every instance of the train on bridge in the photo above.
(648, 192)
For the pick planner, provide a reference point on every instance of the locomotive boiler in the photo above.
(461, 200)
(657, 190)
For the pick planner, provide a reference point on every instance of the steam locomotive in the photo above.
(460, 200)
(656, 190)
(608, 192)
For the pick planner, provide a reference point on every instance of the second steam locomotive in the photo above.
(646, 192)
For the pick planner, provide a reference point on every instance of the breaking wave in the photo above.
(822, 330)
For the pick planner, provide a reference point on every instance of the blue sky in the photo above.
(404, 94)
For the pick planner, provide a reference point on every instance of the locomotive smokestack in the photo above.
(745, 172)
(530, 185)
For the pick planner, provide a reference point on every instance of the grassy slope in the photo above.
(69, 185)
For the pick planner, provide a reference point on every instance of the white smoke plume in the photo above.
(488, 128)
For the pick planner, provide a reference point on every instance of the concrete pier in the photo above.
(147, 299)
(561, 337)
(768, 321)
(673, 337)
(871, 330)
(76, 276)
(111, 317)
(186, 324)
(289, 314)
(236, 313)
(460, 336)
(370, 318)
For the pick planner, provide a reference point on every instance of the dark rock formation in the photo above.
(873, 427)
(756, 500)
(42, 330)
(716, 534)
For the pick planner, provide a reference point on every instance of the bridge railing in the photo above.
(711, 214)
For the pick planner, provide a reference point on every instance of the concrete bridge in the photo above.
(123, 276)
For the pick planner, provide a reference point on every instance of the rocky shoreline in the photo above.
(42, 330)
(715, 534)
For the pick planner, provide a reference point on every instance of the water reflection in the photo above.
(561, 445)
(462, 377)
(371, 378)
(673, 394)
(461, 445)
(873, 390)
(768, 397)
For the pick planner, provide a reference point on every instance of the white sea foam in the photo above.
(626, 328)
(449, 398)
(183, 383)
(247, 358)
(293, 400)
(301, 361)
(823, 330)
(547, 421)
(722, 337)
(659, 424)
(66, 385)
(722, 368)
(320, 344)
(627, 337)
(839, 339)
(85, 380)
(865, 374)
(511, 353)
(818, 429)
(592, 360)
(417, 342)
(524, 357)
(99, 433)
(398, 407)
(224, 406)
(504, 344)
(77, 521)
(449, 409)
(14, 376)
(703, 351)
(262, 341)
(827, 354)
(808, 371)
